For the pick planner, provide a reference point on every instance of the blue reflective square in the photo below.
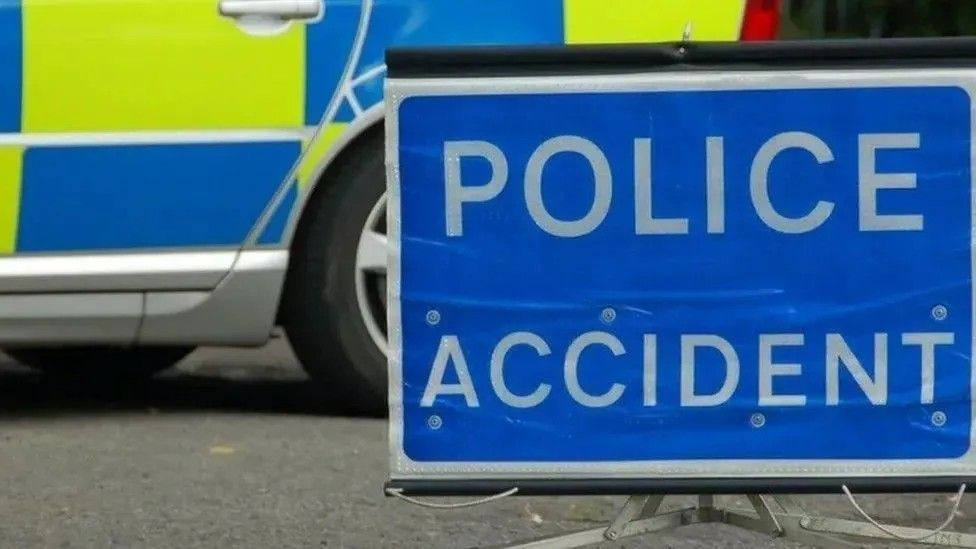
(11, 63)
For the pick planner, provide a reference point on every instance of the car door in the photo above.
(142, 127)
(140, 141)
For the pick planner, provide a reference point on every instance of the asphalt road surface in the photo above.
(233, 449)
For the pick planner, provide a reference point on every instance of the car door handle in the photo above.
(280, 9)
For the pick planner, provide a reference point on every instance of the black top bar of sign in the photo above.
(673, 56)
(587, 487)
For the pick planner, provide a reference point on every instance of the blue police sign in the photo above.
(682, 277)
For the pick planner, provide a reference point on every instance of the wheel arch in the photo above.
(350, 143)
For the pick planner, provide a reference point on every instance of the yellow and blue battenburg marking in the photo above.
(152, 66)
(10, 156)
(161, 70)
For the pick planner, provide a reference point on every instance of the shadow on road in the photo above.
(24, 393)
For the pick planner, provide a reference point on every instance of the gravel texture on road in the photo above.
(233, 449)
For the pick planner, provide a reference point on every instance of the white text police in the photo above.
(870, 183)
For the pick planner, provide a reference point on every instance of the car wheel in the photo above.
(335, 297)
(102, 364)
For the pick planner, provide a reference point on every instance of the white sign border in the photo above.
(398, 90)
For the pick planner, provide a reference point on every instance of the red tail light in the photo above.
(760, 20)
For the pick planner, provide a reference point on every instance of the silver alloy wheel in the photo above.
(371, 255)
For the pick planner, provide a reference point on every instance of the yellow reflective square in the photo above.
(628, 21)
(115, 65)
(11, 166)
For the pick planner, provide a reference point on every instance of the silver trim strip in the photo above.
(367, 76)
(152, 137)
(115, 272)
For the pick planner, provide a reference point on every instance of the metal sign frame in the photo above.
(805, 65)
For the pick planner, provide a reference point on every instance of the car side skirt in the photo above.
(95, 304)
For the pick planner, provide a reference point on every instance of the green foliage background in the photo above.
(877, 18)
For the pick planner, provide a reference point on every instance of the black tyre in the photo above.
(100, 364)
(334, 309)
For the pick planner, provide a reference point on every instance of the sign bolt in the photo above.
(608, 315)
(939, 312)
(757, 420)
(938, 419)
(433, 317)
(435, 422)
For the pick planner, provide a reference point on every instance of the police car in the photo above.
(177, 173)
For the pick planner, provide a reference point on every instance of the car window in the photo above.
(804, 19)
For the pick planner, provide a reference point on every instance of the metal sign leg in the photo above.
(785, 518)
(637, 517)
(636, 506)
